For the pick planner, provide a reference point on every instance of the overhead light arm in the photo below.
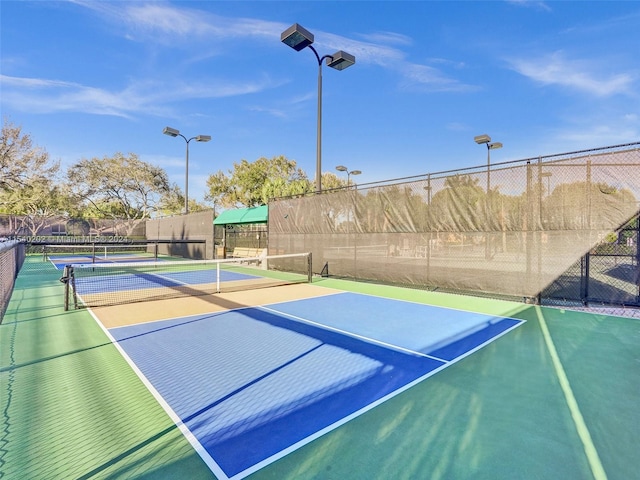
(298, 38)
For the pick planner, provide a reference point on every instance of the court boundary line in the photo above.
(593, 459)
(329, 428)
(457, 309)
(173, 416)
(211, 462)
(357, 336)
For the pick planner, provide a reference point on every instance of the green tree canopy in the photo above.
(28, 181)
(251, 184)
(119, 187)
(20, 161)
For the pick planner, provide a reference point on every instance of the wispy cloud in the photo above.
(598, 134)
(586, 76)
(428, 79)
(535, 4)
(390, 38)
(167, 24)
(161, 24)
(144, 97)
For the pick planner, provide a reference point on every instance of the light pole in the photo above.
(486, 139)
(342, 168)
(172, 132)
(298, 38)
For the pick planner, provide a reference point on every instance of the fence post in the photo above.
(584, 284)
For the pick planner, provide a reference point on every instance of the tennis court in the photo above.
(298, 368)
(329, 379)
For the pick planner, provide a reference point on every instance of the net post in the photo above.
(72, 280)
(65, 280)
(325, 270)
(310, 268)
(93, 253)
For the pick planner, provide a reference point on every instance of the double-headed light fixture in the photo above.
(299, 38)
(486, 140)
(172, 132)
(342, 168)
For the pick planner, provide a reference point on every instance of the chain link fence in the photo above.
(505, 230)
(12, 255)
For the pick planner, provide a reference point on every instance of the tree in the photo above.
(27, 181)
(460, 207)
(251, 184)
(172, 203)
(591, 205)
(330, 181)
(35, 204)
(122, 188)
(20, 161)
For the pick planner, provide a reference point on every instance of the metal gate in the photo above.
(609, 274)
(249, 236)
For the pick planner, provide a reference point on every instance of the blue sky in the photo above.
(89, 79)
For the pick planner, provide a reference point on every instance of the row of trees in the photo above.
(459, 204)
(125, 188)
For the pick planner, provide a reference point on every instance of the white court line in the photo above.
(209, 460)
(191, 438)
(355, 335)
(583, 432)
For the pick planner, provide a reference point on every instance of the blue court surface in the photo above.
(248, 386)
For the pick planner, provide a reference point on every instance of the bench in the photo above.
(243, 252)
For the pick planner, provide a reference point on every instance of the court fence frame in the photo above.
(12, 255)
(607, 275)
(514, 230)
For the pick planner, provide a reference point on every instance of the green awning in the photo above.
(243, 216)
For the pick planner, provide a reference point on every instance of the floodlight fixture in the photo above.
(342, 168)
(172, 132)
(480, 139)
(485, 139)
(340, 60)
(296, 37)
(203, 138)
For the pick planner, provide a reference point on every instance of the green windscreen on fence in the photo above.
(510, 229)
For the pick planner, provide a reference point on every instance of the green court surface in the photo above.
(555, 398)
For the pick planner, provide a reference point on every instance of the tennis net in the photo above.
(103, 284)
(97, 253)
